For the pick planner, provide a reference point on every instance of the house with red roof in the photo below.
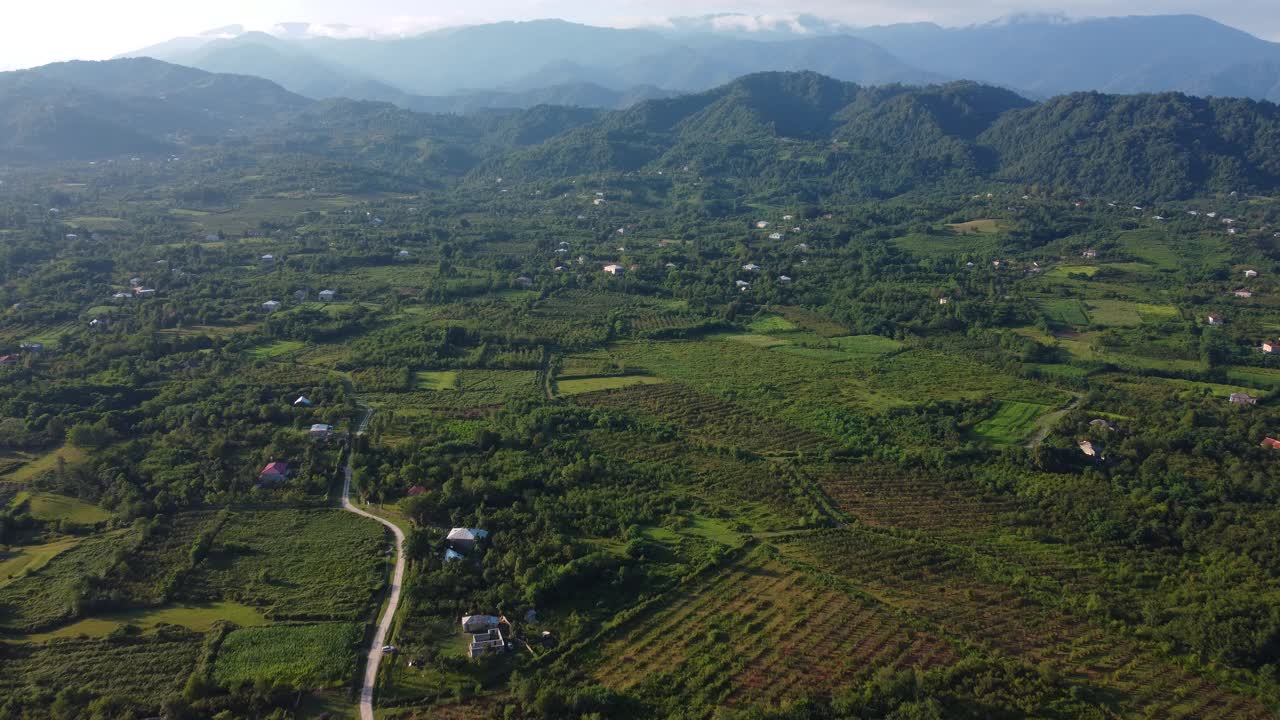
(416, 490)
(1271, 443)
(274, 472)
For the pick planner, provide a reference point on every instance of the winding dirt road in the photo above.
(393, 600)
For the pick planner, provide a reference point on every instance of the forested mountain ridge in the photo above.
(761, 132)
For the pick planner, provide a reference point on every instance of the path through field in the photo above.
(393, 600)
(1048, 422)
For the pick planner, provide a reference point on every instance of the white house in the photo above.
(328, 295)
(1243, 294)
(465, 539)
(1089, 254)
(943, 300)
(614, 269)
(1251, 273)
(403, 253)
(302, 401)
(751, 267)
(742, 284)
(1269, 347)
(1214, 319)
(1242, 399)
(268, 259)
(784, 279)
(320, 431)
(271, 306)
(143, 292)
(762, 224)
(775, 236)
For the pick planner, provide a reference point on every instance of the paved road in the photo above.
(397, 579)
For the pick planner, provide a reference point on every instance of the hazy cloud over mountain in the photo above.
(35, 33)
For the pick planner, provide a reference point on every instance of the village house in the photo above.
(1269, 347)
(944, 300)
(271, 306)
(417, 490)
(614, 269)
(143, 292)
(762, 225)
(302, 401)
(1240, 398)
(775, 236)
(1089, 254)
(328, 295)
(1090, 450)
(403, 254)
(1251, 273)
(743, 285)
(523, 281)
(480, 623)
(268, 260)
(784, 279)
(1271, 443)
(464, 540)
(451, 555)
(1243, 293)
(751, 267)
(8, 359)
(274, 472)
(1214, 320)
(1102, 424)
(490, 642)
(320, 431)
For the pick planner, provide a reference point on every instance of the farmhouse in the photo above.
(1243, 294)
(1271, 443)
(268, 260)
(480, 623)
(302, 401)
(417, 490)
(328, 295)
(523, 281)
(403, 254)
(742, 284)
(1089, 254)
(274, 472)
(614, 269)
(1251, 273)
(143, 292)
(751, 267)
(784, 279)
(762, 224)
(944, 300)
(1269, 347)
(1090, 450)
(1214, 320)
(1242, 399)
(271, 306)
(320, 431)
(465, 539)
(775, 236)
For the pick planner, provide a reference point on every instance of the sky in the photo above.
(41, 31)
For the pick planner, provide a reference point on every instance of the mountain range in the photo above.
(522, 64)
(799, 130)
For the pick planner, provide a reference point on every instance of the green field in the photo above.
(50, 507)
(1065, 271)
(578, 385)
(276, 349)
(39, 465)
(770, 324)
(313, 655)
(760, 341)
(200, 618)
(436, 380)
(984, 226)
(1065, 312)
(18, 561)
(1012, 423)
(948, 245)
(867, 344)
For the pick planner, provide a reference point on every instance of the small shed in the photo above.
(271, 306)
(320, 431)
(328, 295)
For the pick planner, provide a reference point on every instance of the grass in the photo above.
(1065, 311)
(29, 558)
(1065, 271)
(867, 344)
(276, 349)
(982, 227)
(1012, 423)
(200, 618)
(436, 380)
(760, 341)
(50, 507)
(321, 654)
(578, 385)
(948, 245)
(770, 324)
(45, 463)
(1255, 376)
(1114, 313)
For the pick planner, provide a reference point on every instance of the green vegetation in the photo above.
(576, 385)
(302, 655)
(1012, 422)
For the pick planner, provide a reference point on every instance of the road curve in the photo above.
(393, 601)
